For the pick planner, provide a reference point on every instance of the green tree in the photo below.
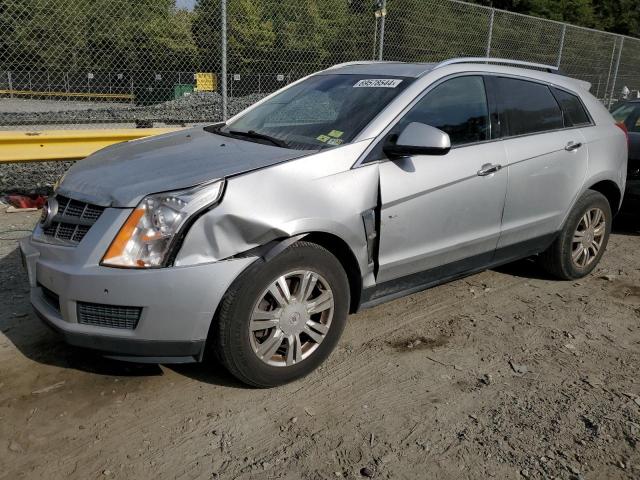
(445, 29)
(138, 35)
(31, 37)
(301, 29)
(620, 16)
(350, 27)
(251, 37)
(207, 35)
(108, 35)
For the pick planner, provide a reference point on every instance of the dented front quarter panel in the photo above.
(317, 193)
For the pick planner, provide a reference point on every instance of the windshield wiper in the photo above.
(260, 136)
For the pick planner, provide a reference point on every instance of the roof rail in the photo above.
(359, 62)
(346, 64)
(504, 61)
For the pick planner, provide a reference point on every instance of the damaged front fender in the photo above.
(318, 193)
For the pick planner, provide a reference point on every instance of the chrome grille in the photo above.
(73, 220)
(111, 316)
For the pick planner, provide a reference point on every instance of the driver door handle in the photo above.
(488, 169)
(571, 146)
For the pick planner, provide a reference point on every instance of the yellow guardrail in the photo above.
(40, 146)
(121, 96)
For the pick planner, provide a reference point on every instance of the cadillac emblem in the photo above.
(49, 211)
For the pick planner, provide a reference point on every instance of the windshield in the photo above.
(322, 111)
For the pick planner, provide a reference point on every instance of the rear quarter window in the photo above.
(574, 112)
(527, 107)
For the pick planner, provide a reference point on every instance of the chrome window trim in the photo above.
(548, 85)
(361, 160)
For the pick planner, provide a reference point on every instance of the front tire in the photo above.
(583, 239)
(282, 318)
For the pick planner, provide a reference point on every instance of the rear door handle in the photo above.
(488, 169)
(571, 146)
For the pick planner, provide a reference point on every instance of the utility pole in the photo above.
(223, 13)
(10, 83)
(564, 33)
(615, 73)
(381, 13)
(490, 33)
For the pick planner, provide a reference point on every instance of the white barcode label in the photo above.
(378, 83)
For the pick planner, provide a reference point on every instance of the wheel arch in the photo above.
(611, 191)
(334, 244)
(341, 250)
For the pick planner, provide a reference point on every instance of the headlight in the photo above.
(145, 238)
(58, 182)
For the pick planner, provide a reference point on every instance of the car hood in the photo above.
(121, 175)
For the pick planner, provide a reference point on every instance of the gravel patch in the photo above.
(12, 106)
(195, 108)
(32, 177)
(39, 177)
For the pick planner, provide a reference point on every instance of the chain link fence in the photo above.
(105, 63)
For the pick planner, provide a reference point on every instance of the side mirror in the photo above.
(418, 139)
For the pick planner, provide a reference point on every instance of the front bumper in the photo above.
(177, 304)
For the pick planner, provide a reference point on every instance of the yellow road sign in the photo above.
(206, 82)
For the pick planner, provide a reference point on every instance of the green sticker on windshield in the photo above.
(330, 140)
(335, 133)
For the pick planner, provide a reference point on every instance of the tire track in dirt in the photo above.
(341, 376)
(361, 385)
(409, 397)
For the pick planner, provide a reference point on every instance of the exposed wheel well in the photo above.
(611, 191)
(345, 256)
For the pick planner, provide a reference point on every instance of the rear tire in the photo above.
(583, 239)
(282, 318)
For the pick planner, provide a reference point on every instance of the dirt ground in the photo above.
(505, 374)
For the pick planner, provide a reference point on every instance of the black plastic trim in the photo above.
(131, 348)
(419, 281)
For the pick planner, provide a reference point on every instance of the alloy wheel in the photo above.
(588, 237)
(291, 318)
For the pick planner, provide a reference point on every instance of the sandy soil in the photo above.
(505, 374)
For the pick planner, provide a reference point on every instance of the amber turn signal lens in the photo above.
(116, 249)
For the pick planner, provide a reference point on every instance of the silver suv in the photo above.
(255, 238)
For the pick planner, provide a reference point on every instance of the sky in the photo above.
(185, 4)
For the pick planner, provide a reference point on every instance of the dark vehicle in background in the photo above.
(628, 114)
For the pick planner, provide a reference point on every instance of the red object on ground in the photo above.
(25, 201)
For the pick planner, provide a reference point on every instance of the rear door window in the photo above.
(574, 113)
(527, 107)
